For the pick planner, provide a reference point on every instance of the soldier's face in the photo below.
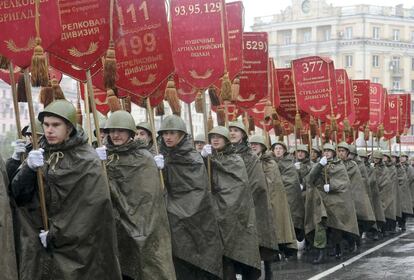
(394, 159)
(342, 153)
(403, 159)
(279, 151)
(217, 142)
(314, 155)
(171, 138)
(385, 159)
(236, 135)
(142, 135)
(119, 136)
(256, 148)
(56, 130)
(300, 155)
(328, 153)
(103, 134)
(199, 146)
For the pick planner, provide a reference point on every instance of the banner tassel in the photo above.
(57, 90)
(109, 69)
(172, 97)
(113, 102)
(39, 70)
(221, 116)
(298, 122)
(277, 126)
(128, 105)
(159, 110)
(46, 95)
(251, 126)
(313, 127)
(79, 116)
(268, 111)
(210, 122)
(226, 93)
(4, 62)
(334, 125)
(199, 103)
(366, 133)
(235, 89)
(214, 99)
(21, 89)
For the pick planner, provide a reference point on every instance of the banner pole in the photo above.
(203, 95)
(190, 118)
(15, 101)
(87, 111)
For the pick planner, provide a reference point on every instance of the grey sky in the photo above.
(254, 8)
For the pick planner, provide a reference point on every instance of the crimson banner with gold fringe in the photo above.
(286, 94)
(391, 117)
(376, 106)
(18, 29)
(101, 101)
(361, 90)
(198, 39)
(5, 75)
(254, 76)
(186, 93)
(406, 111)
(73, 71)
(235, 13)
(315, 86)
(345, 106)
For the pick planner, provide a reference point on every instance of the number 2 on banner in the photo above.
(136, 44)
(311, 66)
(130, 10)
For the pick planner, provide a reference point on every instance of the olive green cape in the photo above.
(404, 190)
(395, 208)
(144, 240)
(381, 178)
(410, 175)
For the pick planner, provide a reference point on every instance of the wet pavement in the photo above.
(389, 258)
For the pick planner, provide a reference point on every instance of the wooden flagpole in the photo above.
(15, 101)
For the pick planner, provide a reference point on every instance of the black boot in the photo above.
(338, 252)
(268, 270)
(320, 257)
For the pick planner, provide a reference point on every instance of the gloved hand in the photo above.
(301, 187)
(326, 188)
(43, 237)
(159, 161)
(206, 151)
(19, 148)
(101, 151)
(35, 159)
(323, 161)
(372, 164)
(297, 165)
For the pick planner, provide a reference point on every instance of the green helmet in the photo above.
(362, 153)
(353, 149)
(302, 148)
(259, 139)
(39, 128)
(121, 120)
(329, 146)
(386, 153)
(404, 154)
(377, 154)
(200, 138)
(281, 143)
(240, 126)
(343, 145)
(316, 149)
(172, 122)
(145, 126)
(395, 154)
(220, 130)
(62, 109)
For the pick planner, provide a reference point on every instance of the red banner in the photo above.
(258, 115)
(232, 111)
(287, 107)
(273, 83)
(360, 90)
(5, 75)
(253, 78)
(143, 51)
(345, 97)
(155, 98)
(235, 13)
(85, 32)
(376, 106)
(406, 110)
(18, 31)
(391, 117)
(73, 71)
(197, 38)
(315, 86)
(186, 93)
(101, 101)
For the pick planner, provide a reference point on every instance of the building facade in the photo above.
(370, 42)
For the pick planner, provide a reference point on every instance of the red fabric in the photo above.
(391, 117)
(235, 13)
(73, 71)
(101, 101)
(5, 75)
(274, 92)
(406, 110)
(361, 102)
(345, 104)
(376, 106)
(186, 93)
(155, 98)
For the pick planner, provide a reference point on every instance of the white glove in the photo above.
(43, 237)
(297, 165)
(323, 161)
(326, 188)
(101, 151)
(35, 159)
(159, 161)
(372, 164)
(301, 187)
(19, 148)
(206, 151)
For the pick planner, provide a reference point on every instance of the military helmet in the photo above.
(121, 120)
(353, 149)
(403, 154)
(239, 125)
(62, 109)
(172, 122)
(281, 143)
(386, 153)
(220, 130)
(302, 148)
(200, 138)
(39, 128)
(24, 130)
(362, 153)
(145, 126)
(343, 145)
(395, 154)
(259, 139)
(377, 154)
(329, 146)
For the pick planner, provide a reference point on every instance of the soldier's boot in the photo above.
(375, 236)
(268, 270)
(320, 257)
(338, 251)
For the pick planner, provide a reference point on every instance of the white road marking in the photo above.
(354, 259)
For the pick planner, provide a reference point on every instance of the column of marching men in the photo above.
(185, 209)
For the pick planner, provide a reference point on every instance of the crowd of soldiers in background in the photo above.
(184, 208)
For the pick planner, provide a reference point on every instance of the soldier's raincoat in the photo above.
(404, 190)
(144, 240)
(410, 175)
(394, 210)
(381, 178)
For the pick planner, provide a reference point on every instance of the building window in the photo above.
(395, 34)
(396, 84)
(307, 36)
(287, 38)
(287, 64)
(375, 80)
(395, 63)
(348, 61)
(412, 87)
(376, 33)
(375, 61)
(348, 33)
(327, 34)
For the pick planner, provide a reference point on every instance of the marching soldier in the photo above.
(102, 133)
(199, 142)
(196, 243)
(315, 154)
(234, 207)
(291, 182)
(144, 240)
(258, 187)
(144, 134)
(8, 265)
(395, 207)
(410, 175)
(81, 235)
